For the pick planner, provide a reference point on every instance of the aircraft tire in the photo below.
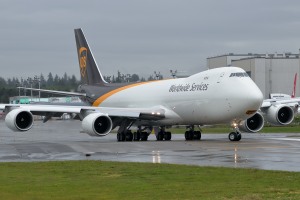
(197, 135)
(168, 136)
(160, 136)
(136, 136)
(189, 135)
(186, 135)
(144, 136)
(239, 137)
(233, 136)
(128, 136)
(121, 137)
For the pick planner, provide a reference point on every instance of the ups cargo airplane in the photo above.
(222, 95)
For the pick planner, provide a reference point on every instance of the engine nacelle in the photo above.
(19, 120)
(97, 124)
(253, 124)
(279, 115)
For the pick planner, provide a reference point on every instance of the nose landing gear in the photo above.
(235, 136)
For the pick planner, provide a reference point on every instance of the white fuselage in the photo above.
(210, 97)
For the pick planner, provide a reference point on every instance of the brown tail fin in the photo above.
(89, 71)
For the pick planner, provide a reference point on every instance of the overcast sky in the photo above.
(139, 36)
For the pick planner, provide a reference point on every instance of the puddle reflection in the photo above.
(156, 157)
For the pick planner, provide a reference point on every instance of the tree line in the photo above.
(123, 78)
(8, 87)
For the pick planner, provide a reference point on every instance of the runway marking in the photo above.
(287, 139)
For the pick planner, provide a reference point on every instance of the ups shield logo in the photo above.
(82, 60)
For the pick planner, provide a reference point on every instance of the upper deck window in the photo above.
(239, 74)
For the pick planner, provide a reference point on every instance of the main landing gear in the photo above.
(129, 136)
(191, 134)
(125, 134)
(140, 135)
(162, 134)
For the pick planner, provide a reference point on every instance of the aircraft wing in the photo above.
(289, 102)
(43, 110)
(96, 121)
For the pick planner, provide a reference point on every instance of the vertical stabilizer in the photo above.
(294, 89)
(89, 71)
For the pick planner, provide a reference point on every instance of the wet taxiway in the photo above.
(62, 140)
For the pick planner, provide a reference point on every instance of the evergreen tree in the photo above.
(2, 82)
(73, 81)
(50, 80)
(56, 80)
(134, 78)
(150, 78)
(43, 81)
(65, 79)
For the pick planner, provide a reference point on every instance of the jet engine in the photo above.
(253, 124)
(279, 115)
(19, 120)
(97, 124)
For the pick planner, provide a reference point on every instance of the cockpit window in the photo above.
(239, 74)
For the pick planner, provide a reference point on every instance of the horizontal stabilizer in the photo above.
(55, 92)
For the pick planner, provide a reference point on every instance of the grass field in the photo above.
(114, 180)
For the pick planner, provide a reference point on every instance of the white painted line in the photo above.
(287, 139)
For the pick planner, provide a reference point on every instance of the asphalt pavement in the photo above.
(63, 140)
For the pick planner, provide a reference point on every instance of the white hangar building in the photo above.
(273, 73)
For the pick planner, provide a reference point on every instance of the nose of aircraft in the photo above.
(252, 99)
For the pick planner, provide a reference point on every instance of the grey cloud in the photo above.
(141, 36)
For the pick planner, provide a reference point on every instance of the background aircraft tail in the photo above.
(294, 89)
(286, 96)
(89, 71)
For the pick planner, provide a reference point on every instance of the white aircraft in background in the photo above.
(281, 96)
(222, 95)
(279, 110)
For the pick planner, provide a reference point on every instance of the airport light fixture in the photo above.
(38, 80)
(29, 80)
(23, 85)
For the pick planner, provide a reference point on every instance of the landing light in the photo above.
(234, 124)
(155, 113)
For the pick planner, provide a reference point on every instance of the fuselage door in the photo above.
(220, 77)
